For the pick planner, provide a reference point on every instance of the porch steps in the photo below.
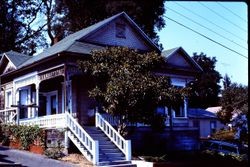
(77, 143)
(109, 154)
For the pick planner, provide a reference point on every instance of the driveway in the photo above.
(27, 159)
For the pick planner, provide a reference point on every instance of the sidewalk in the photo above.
(27, 159)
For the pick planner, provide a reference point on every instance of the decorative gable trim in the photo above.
(6, 64)
(121, 21)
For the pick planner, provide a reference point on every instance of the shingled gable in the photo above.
(178, 57)
(12, 60)
(96, 37)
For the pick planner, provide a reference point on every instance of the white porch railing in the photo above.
(8, 115)
(92, 146)
(49, 121)
(112, 120)
(114, 136)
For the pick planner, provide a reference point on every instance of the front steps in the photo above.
(109, 154)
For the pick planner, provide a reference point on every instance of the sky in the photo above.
(223, 22)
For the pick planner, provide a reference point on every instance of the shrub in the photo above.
(26, 135)
(226, 135)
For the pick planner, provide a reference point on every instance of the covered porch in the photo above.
(39, 98)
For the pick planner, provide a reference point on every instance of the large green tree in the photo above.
(234, 100)
(205, 88)
(73, 15)
(127, 87)
(19, 29)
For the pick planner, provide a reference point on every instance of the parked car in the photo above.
(219, 146)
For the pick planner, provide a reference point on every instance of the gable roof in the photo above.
(75, 42)
(171, 52)
(200, 113)
(15, 58)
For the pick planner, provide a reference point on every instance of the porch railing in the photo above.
(49, 121)
(8, 115)
(114, 136)
(92, 146)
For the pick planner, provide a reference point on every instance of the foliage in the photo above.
(26, 135)
(4, 135)
(226, 135)
(205, 88)
(232, 159)
(24, 23)
(226, 81)
(73, 15)
(19, 29)
(234, 100)
(162, 158)
(126, 86)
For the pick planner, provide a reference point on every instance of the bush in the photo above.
(233, 159)
(26, 135)
(225, 135)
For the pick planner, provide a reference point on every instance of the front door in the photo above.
(42, 105)
(48, 103)
(23, 97)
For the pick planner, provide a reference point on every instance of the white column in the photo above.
(63, 97)
(128, 150)
(66, 142)
(96, 152)
(68, 96)
(185, 106)
(16, 97)
(37, 99)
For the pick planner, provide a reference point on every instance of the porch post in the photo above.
(185, 106)
(37, 99)
(66, 142)
(17, 101)
(18, 114)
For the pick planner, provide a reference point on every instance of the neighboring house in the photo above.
(49, 90)
(205, 120)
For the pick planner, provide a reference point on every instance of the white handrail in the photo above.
(8, 115)
(114, 136)
(91, 145)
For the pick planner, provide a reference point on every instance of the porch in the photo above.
(92, 141)
(9, 116)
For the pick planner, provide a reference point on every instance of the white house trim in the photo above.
(28, 79)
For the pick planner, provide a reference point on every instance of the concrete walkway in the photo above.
(28, 159)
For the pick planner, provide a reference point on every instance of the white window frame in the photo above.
(30, 114)
(8, 101)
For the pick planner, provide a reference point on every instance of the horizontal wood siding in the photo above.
(81, 100)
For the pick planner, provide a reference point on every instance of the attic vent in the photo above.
(120, 30)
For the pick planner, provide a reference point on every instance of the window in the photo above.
(23, 97)
(120, 30)
(53, 105)
(212, 126)
(8, 99)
